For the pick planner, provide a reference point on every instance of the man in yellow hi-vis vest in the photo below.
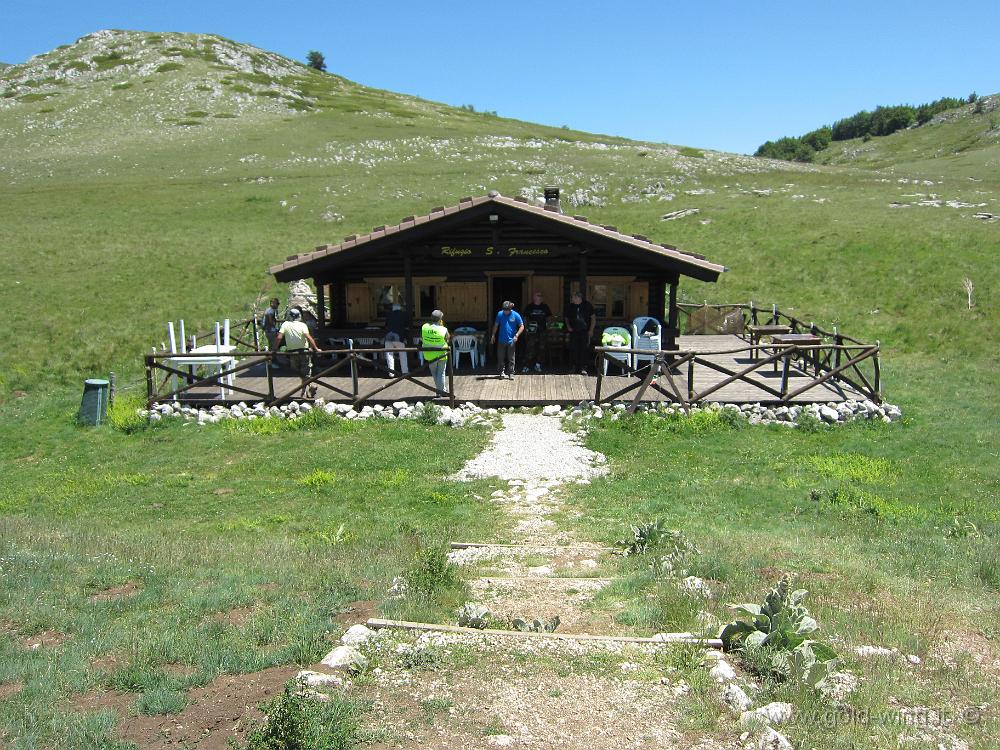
(435, 336)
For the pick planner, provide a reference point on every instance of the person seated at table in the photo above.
(297, 339)
(537, 316)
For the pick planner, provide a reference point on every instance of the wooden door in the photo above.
(358, 303)
(638, 299)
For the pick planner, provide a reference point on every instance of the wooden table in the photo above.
(759, 332)
(799, 339)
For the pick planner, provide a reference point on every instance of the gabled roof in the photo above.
(413, 228)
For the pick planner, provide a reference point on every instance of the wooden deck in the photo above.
(484, 388)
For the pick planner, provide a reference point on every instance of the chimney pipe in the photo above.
(552, 199)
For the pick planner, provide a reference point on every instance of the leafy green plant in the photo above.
(776, 636)
(654, 535)
(428, 413)
(430, 571)
(471, 615)
(535, 626)
(124, 416)
(296, 722)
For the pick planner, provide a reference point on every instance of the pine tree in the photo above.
(315, 60)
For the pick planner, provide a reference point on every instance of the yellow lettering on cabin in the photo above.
(455, 252)
(527, 251)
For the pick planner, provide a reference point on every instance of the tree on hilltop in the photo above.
(316, 60)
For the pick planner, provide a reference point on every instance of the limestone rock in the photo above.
(735, 698)
(308, 678)
(347, 658)
(356, 635)
(723, 671)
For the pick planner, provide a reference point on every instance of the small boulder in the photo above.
(735, 698)
(356, 635)
(347, 658)
(772, 740)
(308, 678)
(723, 671)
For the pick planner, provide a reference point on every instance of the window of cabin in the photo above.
(608, 297)
(384, 296)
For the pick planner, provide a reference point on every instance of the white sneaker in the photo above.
(538, 366)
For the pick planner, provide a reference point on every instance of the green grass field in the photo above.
(108, 231)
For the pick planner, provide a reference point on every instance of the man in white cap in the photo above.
(295, 334)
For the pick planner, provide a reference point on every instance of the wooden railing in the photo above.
(184, 384)
(829, 362)
(754, 316)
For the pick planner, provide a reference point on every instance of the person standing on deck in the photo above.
(397, 323)
(297, 339)
(536, 329)
(507, 328)
(580, 322)
(269, 322)
(435, 337)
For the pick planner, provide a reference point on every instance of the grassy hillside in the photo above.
(962, 142)
(147, 177)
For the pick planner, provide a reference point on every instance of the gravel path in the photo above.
(532, 447)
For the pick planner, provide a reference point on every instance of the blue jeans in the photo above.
(438, 369)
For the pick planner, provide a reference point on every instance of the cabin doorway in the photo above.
(508, 288)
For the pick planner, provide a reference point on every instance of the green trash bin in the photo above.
(94, 407)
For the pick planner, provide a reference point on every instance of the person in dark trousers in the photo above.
(397, 321)
(269, 322)
(537, 316)
(297, 339)
(507, 329)
(580, 322)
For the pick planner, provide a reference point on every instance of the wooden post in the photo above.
(784, 373)
(256, 333)
(408, 286)
(268, 371)
(672, 316)
(320, 303)
(354, 368)
(753, 314)
(451, 380)
(600, 377)
(837, 342)
(150, 382)
(691, 379)
(878, 373)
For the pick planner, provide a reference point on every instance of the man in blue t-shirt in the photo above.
(507, 328)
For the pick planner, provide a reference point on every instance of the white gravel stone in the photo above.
(554, 454)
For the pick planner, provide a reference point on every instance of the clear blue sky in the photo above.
(724, 75)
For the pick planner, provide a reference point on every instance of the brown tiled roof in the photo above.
(680, 257)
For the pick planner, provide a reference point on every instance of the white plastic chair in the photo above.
(465, 344)
(624, 357)
(651, 342)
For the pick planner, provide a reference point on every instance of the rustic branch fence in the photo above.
(164, 368)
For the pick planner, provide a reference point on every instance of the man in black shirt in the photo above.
(580, 322)
(536, 321)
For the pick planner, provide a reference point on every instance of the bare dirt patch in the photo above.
(226, 707)
(108, 662)
(100, 700)
(10, 689)
(530, 706)
(45, 639)
(956, 646)
(361, 611)
(223, 491)
(235, 617)
(124, 591)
